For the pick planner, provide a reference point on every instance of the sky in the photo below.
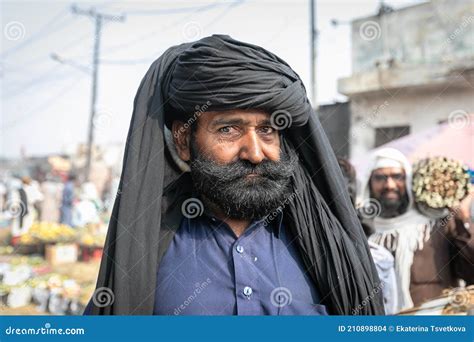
(45, 104)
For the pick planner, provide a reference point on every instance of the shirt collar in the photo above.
(274, 220)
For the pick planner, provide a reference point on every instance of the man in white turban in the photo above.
(430, 254)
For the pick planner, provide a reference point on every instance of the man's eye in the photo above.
(267, 130)
(226, 129)
(380, 178)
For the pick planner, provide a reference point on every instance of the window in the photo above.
(384, 135)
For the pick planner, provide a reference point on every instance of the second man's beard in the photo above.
(238, 195)
(393, 208)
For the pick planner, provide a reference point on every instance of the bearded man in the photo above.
(231, 201)
(430, 254)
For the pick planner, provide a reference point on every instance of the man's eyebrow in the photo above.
(239, 121)
(264, 122)
(229, 121)
(382, 173)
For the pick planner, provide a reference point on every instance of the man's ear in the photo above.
(182, 139)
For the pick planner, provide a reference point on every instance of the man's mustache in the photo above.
(385, 192)
(274, 170)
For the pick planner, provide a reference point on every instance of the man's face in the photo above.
(388, 186)
(236, 162)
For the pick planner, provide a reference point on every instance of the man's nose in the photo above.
(390, 184)
(251, 148)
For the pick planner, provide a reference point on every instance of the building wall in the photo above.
(431, 33)
(411, 67)
(417, 108)
(335, 119)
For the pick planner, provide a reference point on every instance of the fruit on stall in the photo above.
(48, 232)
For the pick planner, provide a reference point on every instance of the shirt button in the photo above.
(240, 249)
(248, 291)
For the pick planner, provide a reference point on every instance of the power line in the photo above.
(152, 57)
(44, 32)
(167, 11)
(45, 58)
(41, 33)
(45, 105)
(193, 10)
(36, 80)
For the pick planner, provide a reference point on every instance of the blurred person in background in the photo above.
(50, 207)
(383, 259)
(86, 210)
(68, 200)
(430, 255)
(22, 196)
(34, 197)
(16, 205)
(3, 195)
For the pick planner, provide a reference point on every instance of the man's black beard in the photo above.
(240, 197)
(392, 208)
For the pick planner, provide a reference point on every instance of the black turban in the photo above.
(220, 73)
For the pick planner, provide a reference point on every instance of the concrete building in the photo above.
(411, 69)
(335, 119)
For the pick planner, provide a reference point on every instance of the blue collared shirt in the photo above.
(208, 270)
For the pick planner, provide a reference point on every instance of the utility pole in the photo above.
(313, 48)
(99, 19)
